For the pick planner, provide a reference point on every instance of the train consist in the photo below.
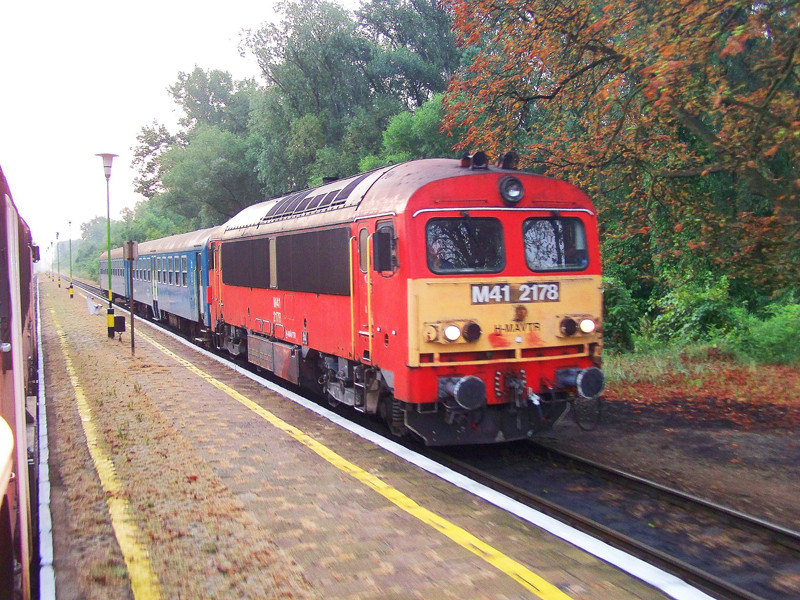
(461, 302)
(18, 381)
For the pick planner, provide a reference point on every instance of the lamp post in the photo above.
(58, 259)
(70, 259)
(107, 160)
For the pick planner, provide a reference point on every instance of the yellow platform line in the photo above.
(528, 579)
(144, 582)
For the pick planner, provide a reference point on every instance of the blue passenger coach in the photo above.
(170, 278)
(119, 274)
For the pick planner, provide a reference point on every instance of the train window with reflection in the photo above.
(465, 245)
(555, 244)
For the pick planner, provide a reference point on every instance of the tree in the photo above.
(212, 98)
(211, 179)
(417, 51)
(316, 59)
(412, 135)
(673, 114)
(152, 141)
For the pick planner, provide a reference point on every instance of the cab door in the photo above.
(362, 317)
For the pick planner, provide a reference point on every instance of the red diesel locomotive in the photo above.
(460, 301)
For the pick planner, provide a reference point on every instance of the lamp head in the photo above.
(107, 160)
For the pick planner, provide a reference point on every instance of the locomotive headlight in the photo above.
(587, 325)
(511, 189)
(452, 332)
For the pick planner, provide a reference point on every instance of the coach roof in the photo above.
(183, 242)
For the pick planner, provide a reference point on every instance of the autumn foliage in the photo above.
(681, 118)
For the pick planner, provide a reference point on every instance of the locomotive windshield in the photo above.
(465, 245)
(555, 244)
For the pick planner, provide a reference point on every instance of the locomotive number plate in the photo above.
(502, 293)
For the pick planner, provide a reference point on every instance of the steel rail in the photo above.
(785, 536)
(708, 582)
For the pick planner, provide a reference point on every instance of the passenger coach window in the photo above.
(555, 244)
(185, 272)
(465, 245)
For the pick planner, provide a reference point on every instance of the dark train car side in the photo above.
(18, 380)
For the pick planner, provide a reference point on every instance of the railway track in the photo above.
(726, 553)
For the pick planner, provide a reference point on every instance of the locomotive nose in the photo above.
(469, 392)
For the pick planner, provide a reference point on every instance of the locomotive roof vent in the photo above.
(508, 160)
(479, 160)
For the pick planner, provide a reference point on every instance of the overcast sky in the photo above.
(80, 78)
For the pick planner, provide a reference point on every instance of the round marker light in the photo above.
(569, 326)
(472, 331)
(511, 190)
(587, 325)
(452, 333)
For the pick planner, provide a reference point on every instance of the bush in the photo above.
(620, 315)
(695, 311)
(773, 340)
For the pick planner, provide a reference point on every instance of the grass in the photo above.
(654, 364)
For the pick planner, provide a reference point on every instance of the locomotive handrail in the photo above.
(264, 322)
(502, 209)
(6, 453)
(376, 216)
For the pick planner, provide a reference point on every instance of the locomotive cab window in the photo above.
(465, 245)
(383, 248)
(555, 244)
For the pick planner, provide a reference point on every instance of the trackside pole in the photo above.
(131, 252)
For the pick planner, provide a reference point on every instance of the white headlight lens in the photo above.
(452, 333)
(587, 325)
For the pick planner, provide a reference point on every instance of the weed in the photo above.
(210, 548)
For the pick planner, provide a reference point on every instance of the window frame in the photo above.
(572, 267)
(430, 254)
